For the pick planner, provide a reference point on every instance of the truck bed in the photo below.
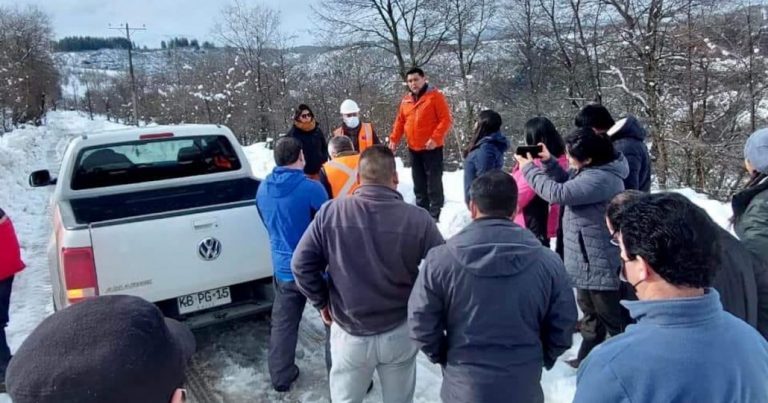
(127, 205)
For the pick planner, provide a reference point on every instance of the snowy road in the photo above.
(231, 358)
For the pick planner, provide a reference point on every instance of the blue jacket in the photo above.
(680, 350)
(493, 307)
(629, 140)
(287, 201)
(486, 156)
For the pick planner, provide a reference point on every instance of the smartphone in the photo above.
(523, 151)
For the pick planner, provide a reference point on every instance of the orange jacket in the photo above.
(341, 173)
(427, 118)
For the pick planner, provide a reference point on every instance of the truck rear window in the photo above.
(152, 160)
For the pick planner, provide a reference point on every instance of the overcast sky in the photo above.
(163, 18)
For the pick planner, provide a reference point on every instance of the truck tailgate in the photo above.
(181, 253)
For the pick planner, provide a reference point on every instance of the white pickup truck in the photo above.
(165, 213)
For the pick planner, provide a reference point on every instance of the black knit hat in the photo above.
(107, 349)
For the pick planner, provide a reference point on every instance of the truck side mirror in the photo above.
(40, 178)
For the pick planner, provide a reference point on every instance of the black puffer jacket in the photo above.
(628, 137)
(742, 283)
(315, 148)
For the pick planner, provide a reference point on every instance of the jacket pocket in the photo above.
(583, 249)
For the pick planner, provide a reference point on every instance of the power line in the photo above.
(135, 102)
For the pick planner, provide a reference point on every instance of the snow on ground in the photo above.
(21, 152)
(233, 354)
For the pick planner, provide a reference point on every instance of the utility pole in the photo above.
(135, 100)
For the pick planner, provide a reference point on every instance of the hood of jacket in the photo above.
(283, 181)
(497, 140)
(495, 247)
(618, 167)
(741, 200)
(628, 127)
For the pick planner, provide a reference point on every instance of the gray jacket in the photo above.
(492, 306)
(372, 245)
(590, 259)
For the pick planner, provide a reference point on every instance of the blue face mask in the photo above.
(352, 121)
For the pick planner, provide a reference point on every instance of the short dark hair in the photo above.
(377, 165)
(583, 144)
(301, 108)
(618, 203)
(677, 238)
(594, 115)
(541, 130)
(495, 194)
(414, 70)
(341, 144)
(287, 151)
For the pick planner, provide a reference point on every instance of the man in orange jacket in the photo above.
(425, 118)
(339, 175)
(10, 264)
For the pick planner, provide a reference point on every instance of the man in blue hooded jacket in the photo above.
(287, 201)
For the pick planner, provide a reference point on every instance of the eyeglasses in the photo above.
(622, 269)
(615, 239)
(305, 115)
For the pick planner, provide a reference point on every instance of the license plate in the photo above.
(204, 300)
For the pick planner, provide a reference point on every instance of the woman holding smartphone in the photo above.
(533, 212)
(591, 260)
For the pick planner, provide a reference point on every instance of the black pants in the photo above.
(602, 315)
(5, 303)
(427, 171)
(560, 243)
(286, 317)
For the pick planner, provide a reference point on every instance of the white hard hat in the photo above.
(349, 106)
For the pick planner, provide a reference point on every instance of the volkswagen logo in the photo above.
(209, 248)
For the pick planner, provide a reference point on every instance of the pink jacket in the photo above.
(525, 194)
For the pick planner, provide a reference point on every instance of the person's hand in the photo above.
(431, 145)
(523, 161)
(544, 154)
(325, 315)
(392, 146)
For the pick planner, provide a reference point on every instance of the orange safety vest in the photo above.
(365, 137)
(341, 173)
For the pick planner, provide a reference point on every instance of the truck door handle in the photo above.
(206, 223)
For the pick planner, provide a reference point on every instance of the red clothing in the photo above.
(10, 253)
